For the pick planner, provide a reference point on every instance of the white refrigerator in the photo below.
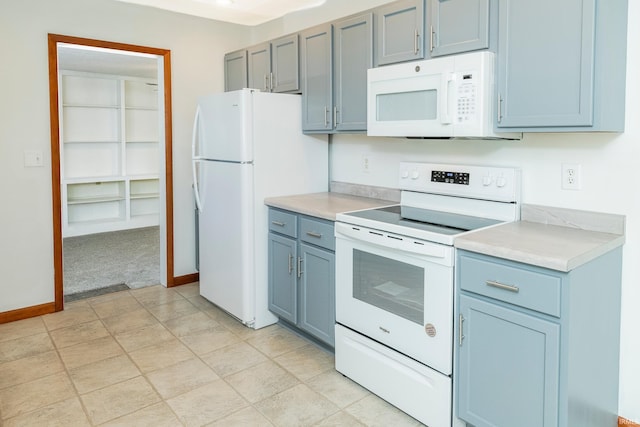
(247, 145)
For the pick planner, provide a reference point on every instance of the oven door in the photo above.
(398, 291)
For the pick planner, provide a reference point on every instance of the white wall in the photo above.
(610, 167)
(197, 48)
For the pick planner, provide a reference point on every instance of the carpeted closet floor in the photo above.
(118, 260)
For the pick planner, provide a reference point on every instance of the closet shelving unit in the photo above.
(109, 153)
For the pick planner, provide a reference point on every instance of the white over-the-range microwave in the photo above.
(448, 97)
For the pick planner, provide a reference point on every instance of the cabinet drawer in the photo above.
(525, 288)
(283, 222)
(318, 233)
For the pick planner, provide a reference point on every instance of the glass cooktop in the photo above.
(424, 219)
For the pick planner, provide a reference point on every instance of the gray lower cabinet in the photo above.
(235, 70)
(274, 66)
(302, 273)
(537, 347)
(561, 65)
(400, 34)
(457, 26)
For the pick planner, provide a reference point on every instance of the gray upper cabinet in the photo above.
(400, 32)
(316, 64)
(561, 71)
(274, 66)
(235, 70)
(457, 26)
(353, 56)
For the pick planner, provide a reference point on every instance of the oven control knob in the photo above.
(404, 174)
(501, 181)
(486, 180)
(415, 174)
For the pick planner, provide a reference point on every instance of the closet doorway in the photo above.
(111, 165)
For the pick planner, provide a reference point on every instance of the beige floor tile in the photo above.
(188, 291)
(373, 411)
(25, 346)
(21, 328)
(173, 309)
(297, 406)
(144, 337)
(90, 352)
(307, 361)
(341, 419)
(121, 303)
(77, 334)
(155, 295)
(234, 325)
(130, 321)
(337, 388)
(233, 358)
(190, 324)
(69, 317)
(27, 397)
(104, 373)
(276, 341)
(108, 297)
(161, 355)
(206, 341)
(119, 399)
(181, 377)
(243, 418)
(29, 368)
(67, 413)
(261, 381)
(207, 404)
(158, 415)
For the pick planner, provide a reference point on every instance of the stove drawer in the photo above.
(283, 222)
(510, 282)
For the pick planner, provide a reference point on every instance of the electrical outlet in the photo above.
(366, 163)
(571, 179)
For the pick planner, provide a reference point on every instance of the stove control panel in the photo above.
(461, 178)
(471, 181)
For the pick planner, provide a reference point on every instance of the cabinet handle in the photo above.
(460, 334)
(314, 234)
(278, 223)
(431, 40)
(266, 84)
(499, 108)
(416, 47)
(300, 267)
(326, 120)
(290, 263)
(335, 116)
(270, 82)
(499, 285)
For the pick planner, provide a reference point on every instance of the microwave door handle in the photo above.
(446, 100)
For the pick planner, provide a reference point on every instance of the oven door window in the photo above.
(390, 285)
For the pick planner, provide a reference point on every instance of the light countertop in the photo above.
(543, 244)
(325, 205)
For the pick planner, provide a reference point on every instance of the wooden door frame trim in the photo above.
(53, 40)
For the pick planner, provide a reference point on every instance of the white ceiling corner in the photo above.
(244, 12)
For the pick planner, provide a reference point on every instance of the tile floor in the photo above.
(167, 357)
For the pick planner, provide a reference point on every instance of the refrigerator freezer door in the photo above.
(226, 237)
(222, 130)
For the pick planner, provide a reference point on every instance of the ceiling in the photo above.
(245, 12)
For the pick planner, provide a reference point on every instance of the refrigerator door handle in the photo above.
(195, 159)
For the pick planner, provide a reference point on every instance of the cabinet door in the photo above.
(353, 56)
(317, 293)
(285, 66)
(508, 367)
(317, 99)
(235, 70)
(400, 32)
(458, 26)
(259, 63)
(282, 277)
(545, 63)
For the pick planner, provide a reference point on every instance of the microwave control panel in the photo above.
(467, 97)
